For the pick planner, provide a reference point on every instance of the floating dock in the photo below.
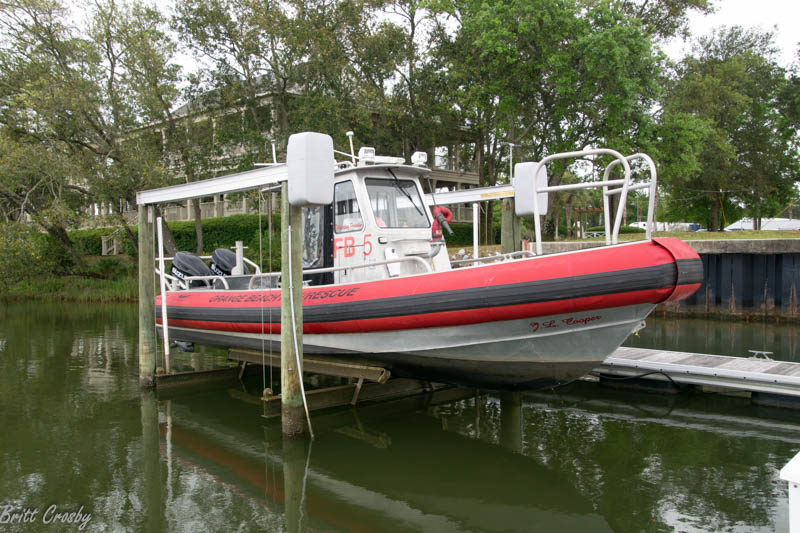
(765, 380)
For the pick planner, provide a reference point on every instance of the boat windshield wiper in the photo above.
(396, 183)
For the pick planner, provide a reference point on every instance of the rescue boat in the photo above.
(379, 287)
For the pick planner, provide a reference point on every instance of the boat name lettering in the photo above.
(569, 321)
(275, 297)
(585, 320)
(244, 298)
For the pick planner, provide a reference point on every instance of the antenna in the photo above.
(511, 160)
(352, 152)
(274, 158)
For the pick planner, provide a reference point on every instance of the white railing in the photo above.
(531, 182)
(650, 185)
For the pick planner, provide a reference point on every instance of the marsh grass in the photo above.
(76, 289)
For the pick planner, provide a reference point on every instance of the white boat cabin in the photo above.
(378, 215)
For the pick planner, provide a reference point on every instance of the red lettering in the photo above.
(367, 244)
(349, 247)
(337, 243)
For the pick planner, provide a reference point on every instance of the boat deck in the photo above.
(752, 374)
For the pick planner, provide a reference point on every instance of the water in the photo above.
(731, 337)
(77, 432)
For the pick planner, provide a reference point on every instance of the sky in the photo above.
(766, 14)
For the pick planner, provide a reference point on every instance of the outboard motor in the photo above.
(223, 262)
(185, 264)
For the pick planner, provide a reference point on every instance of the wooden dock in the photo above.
(716, 373)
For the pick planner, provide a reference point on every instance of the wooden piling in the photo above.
(511, 421)
(147, 294)
(510, 236)
(292, 412)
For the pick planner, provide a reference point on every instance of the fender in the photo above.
(689, 267)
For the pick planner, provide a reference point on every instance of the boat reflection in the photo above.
(584, 459)
(385, 467)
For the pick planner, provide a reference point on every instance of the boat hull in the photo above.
(521, 325)
(526, 353)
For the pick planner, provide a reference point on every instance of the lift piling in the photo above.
(291, 326)
(147, 295)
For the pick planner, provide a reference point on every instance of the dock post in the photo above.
(147, 295)
(511, 421)
(509, 228)
(292, 412)
(476, 225)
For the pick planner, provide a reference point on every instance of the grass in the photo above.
(76, 289)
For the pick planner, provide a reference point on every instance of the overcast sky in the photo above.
(780, 16)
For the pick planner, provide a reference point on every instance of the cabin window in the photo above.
(396, 203)
(347, 216)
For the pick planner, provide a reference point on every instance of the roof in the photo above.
(768, 224)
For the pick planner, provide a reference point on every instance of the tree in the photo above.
(733, 94)
(549, 77)
(82, 93)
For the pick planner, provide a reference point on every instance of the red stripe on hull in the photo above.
(599, 260)
(593, 261)
(444, 319)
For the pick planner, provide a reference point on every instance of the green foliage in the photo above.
(23, 254)
(728, 131)
(112, 268)
(222, 232)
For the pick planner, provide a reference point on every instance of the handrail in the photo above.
(493, 257)
(258, 269)
(572, 155)
(175, 279)
(207, 278)
(623, 191)
(349, 267)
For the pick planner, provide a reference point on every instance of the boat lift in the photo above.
(530, 190)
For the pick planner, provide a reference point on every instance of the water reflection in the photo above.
(78, 431)
(388, 467)
(587, 460)
(734, 337)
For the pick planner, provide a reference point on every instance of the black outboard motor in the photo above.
(185, 264)
(223, 262)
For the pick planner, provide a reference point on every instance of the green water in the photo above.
(77, 432)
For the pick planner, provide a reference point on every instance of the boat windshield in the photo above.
(396, 203)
